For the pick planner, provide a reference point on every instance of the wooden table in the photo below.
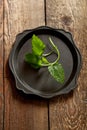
(19, 111)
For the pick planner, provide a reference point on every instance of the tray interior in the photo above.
(40, 79)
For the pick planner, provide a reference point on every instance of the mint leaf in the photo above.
(44, 60)
(37, 59)
(57, 72)
(33, 60)
(30, 58)
(37, 45)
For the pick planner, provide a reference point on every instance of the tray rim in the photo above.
(34, 92)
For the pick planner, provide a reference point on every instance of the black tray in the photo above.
(39, 82)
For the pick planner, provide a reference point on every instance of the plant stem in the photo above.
(47, 54)
(57, 51)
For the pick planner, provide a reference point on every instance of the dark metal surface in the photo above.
(40, 82)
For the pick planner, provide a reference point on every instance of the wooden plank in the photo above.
(19, 16)
(69, 112)
(1, 66)
(1, 102)
(22, 112)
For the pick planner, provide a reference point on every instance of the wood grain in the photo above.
(19, 16)
(22, 112)
(1, 66)
(1, 102)
(69, 112)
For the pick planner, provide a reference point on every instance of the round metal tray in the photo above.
(40, 82)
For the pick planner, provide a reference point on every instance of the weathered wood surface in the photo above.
(69, 112)
(22, 112)
(1, 66)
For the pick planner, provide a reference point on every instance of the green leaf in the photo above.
(37, 59)
(37, 45)
(57, 72)
(33, 60)
(44, 60)
(30, 58)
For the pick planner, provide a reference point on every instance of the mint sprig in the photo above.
(37, 58)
